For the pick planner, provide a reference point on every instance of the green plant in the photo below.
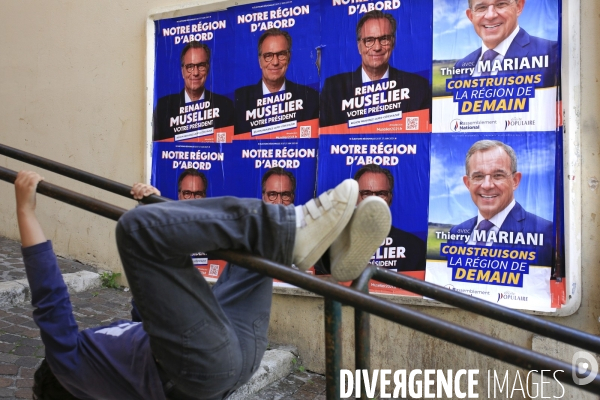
(109, 279)
(299, 367)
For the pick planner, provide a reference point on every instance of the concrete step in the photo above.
(275, 365)
(17, 291)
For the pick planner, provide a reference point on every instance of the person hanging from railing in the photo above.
(194, 342)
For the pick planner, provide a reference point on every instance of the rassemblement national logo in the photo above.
(455, 125)
(458, 125)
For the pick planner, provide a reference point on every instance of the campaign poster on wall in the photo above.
(395, 168)
(192, 82)
(186, 171)
(376, 80)
(277, 79)
(491, 216)
(274, 169)
(496, 69)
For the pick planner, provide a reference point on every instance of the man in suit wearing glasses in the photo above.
(194, 111)
(376, 38)
(274, 99)
(278, 186)
(401, 251)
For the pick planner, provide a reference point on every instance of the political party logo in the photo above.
(518, 123)
(510, 296)
(455, 125)
(458, 125)
(585, 368)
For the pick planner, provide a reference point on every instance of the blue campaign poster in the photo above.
(277, 45)
(170, 160)
(193, 95)
(370, 86)
(394, 167)
(492, 216)
(255, 158)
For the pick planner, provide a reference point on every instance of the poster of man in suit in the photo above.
(496, 65)
(375, 77)
(191, 89)
(491, 220)
(276, 95)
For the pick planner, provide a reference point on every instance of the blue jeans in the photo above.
(208, 342)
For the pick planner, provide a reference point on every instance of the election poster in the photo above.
(192, 92)
(394, 168)
(491, 216)
(376, 67)
(496, 70)
(276, 101)
(375, 118)
(187, 171)
(276, 96)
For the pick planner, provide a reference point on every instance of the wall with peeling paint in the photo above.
(73, 90)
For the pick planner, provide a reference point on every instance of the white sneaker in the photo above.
(324, 219)
(351, 251)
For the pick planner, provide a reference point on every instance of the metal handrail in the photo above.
(77, 174)
(68, 196)
(487, 309)
(435, 327)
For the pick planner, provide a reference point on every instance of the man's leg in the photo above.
(190, 335)
(245, 297)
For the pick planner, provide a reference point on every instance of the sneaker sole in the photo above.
(367, 229)
(316, 253)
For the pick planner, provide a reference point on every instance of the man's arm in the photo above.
(139, 191)
(53, 313)
(29, 227)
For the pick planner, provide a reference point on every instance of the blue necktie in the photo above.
(485, 226)
(489, 55)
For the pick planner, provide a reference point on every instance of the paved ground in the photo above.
(297, 386)
(21, 349)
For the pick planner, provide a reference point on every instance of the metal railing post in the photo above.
(362, 330)
(333, 347)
